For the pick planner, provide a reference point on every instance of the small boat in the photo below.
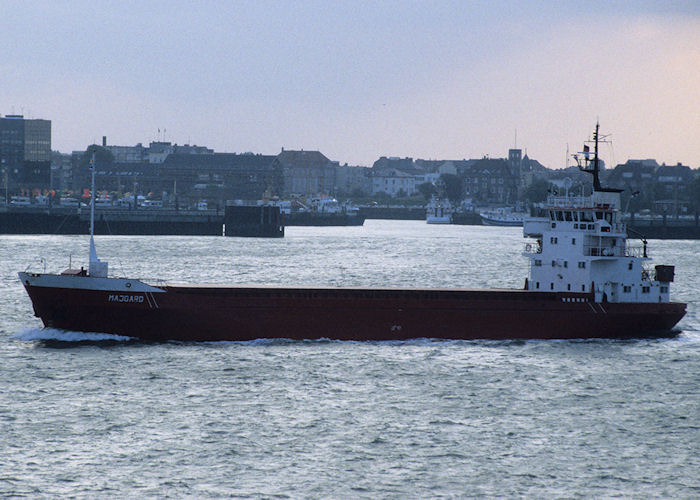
(586, 280)
(504, 216)
(104, 202)
(439, 211)
(321, 211)
(69, 202)
(152, 204)
(20, 201)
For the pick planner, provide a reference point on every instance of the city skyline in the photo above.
(449, 80)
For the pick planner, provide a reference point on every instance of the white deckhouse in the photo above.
(581, 245)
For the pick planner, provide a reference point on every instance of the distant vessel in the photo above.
(439, 211)
(20, 201)
(585, 281)
(69, 202)
(503, 217)
(152, 204)
(104, 202)
(320, 211)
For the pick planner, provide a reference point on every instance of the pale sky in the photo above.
(359, 80)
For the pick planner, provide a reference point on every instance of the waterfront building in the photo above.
(155, 152)
(393, 182)
(219, 176)
(406, 165)
(351, 179)
(491, 181)
(61, 171)
(25, 153)
(306, 172)
(635, 175)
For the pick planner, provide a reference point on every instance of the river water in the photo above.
(88, 416)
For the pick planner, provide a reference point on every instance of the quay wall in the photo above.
(313, 219)
(253, 221)
(668, 232)
(30, 220)
(256, 221)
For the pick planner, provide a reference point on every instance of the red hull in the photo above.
(215, 314)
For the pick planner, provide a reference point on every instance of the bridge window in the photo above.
(560, 215)
(568, 216)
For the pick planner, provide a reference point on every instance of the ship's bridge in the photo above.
(601, 219)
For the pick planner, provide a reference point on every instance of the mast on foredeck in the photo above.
(96, 267)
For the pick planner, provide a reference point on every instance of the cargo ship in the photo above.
(586, 280)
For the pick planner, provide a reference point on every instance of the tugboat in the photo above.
(585, 281)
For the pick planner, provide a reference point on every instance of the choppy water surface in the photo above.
(90, 417)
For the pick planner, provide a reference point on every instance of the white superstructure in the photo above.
(439, 211)
(581, 245)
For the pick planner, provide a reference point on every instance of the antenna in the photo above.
(595, 170)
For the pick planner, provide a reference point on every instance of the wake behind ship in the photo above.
(586, 280)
